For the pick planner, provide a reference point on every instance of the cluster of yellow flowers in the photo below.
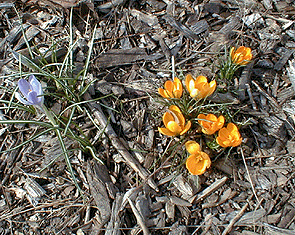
(176, 124)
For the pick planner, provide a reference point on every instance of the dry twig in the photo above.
(139, 218)
(212, 188)
(235, 219)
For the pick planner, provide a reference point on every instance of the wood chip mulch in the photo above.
(142, 188)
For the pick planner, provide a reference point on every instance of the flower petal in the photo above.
(21, 99)
(169, 94)
(222, 143)
(165, 131)
(241, 56)
(220, 121)
(174, 108)
(177, 93)
(186, 127)
(203, 88)
(36, 85)
(33, 98)
(212, 87)
(223, 133)
(201, 116)
(248, 55)
(229, 136)
(174, 127)
(177, 83)
(212, 125)
(201, 79)
(240, 50)
(176, 111)
(197, 164)
(192, 147)
(189, 82)
(194, 93)
(178, 89)
(232, 128)
(211, 117)
(24, 87)
(167, 117)
(232, 52)
(206, 125)
(237, 142)
(169, 86)
(163, 93)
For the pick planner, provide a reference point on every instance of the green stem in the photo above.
(62, 144)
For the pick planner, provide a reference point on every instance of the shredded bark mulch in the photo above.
(141, 186)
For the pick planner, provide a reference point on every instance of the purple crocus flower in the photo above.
(32, 93)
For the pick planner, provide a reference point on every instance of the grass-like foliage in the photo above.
(62, 85)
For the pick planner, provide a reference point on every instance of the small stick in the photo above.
(173, 66)
(254, 106)
(235, 219)
(250, 180)
(272, 101)
(139, 218)
(208, 191)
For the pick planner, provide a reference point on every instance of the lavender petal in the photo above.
(36, 85)
(24, 87)
(33, 98)
(21, 99)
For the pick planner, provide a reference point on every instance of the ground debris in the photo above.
(117, 57)
(273, 230)
(97, 179)
(136, 184)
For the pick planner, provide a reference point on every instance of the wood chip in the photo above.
(287, 219)
(96, 177)
(181, 28)
(56, 3)
(220, 37)
(251, 217)
(30, 34)
(179, 202)
(150, 19)
(283, 60)
(199, 26)
(212, 188)
(116, 219)
(118, 57)
(183, 186)
(228, 194)
(244, 80)
(235, 219)
(139, 218)
(170, 210)
(34, 191)
(177, 229)
(273, 230)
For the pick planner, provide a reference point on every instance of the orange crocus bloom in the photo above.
(199, 88)
(241, 56)
(172, 89)
(229, 136)
(174, 122)
(212, 125)
(198, 161)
